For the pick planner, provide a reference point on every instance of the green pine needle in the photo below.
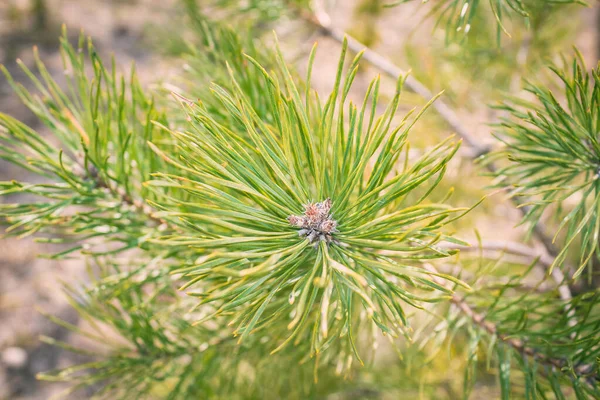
(242, 189)
(553, 147)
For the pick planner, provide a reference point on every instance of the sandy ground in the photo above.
(29, 284)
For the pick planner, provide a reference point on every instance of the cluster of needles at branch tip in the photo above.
(316, 223)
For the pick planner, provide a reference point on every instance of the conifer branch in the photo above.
(478, 319)
(320, 19)
(292, 242)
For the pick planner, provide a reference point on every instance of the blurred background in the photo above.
(473, 75)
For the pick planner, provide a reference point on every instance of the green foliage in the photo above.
(494, 68)
(99, 157)
(542, 339)
(302, 229)
(215, 53)
(554, 152)
(145, 346)
(241, 185)
(457, 17)
(512, 325)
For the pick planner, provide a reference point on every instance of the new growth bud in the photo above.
(316, 224)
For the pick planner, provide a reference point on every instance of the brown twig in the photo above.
(516, 343)
(518, 249)
(513, 248)
(125, 198)
(117, 191)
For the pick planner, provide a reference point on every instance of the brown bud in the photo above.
(296, 221)
(328, 226)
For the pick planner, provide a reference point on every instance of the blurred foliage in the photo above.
(554, 152)
(366, 22)
(495, 69)
(458, 17)
(250, 12)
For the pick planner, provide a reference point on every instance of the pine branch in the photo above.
(91, 175)
(315, 235)
(321, 20)
(152, 345)
(490, 328)
(588, 371)
(273, 204)
(552, 148)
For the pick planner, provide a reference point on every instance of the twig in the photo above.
(519, 249)
(514, 248)
(125, 198)
(119, 192)
(517, 344)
